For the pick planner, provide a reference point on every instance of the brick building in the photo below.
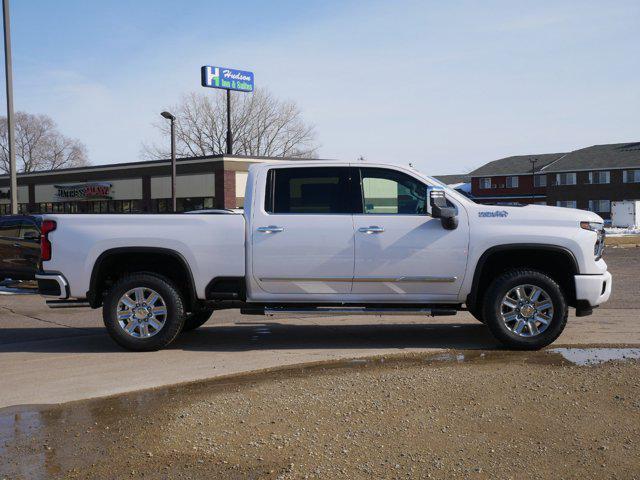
(589, 178)
(216, 181)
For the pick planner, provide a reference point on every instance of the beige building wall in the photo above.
(23, 195)
(200, 185)
(241, 183)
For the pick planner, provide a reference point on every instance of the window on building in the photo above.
(539, 180)
(567, 203)
(600, 206)
(566, 178)
(163, 205)
(485, 183)
(322, 190)
(631, 176)
(391, 192)
(599, 177)
(512, 182)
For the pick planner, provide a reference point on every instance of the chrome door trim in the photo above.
(371, 229)
(362, 279)
(406, 279)
(270, 229)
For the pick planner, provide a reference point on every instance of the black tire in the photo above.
(196, 319)
(492, 308)
(172, 298)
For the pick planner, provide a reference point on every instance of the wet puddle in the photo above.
(595, 356)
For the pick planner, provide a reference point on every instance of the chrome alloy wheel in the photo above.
(141, 312)
(526, 310)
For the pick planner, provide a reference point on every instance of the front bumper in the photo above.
(593, 289)
(52, 285)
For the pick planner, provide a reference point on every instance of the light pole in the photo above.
(171, 118)
(533, 178)
(13, 183)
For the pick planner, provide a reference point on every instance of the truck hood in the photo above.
(533, 215)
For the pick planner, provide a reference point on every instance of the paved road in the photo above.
(51, 356)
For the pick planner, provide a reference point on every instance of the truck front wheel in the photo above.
(143, 312)
(525, 309)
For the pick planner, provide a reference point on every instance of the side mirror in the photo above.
(440, 209)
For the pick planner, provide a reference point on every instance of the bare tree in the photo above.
(39, 145)
(261, 124)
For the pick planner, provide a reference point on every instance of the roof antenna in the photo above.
(361, 158)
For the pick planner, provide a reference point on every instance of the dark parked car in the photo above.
(19, 246)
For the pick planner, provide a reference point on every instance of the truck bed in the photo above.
(212, 245)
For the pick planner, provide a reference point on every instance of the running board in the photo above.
(67, 303)
(274, 311)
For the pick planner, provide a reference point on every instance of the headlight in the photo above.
(593, 226)
(598, 228)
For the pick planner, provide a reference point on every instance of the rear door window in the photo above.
(314, 190)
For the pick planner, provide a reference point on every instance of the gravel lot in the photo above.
(460, 415)
(468, 410)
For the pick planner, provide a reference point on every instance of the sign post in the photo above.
(227, 79)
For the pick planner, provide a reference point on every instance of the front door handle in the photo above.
(371, 229)
(17, 245)
(271, 229)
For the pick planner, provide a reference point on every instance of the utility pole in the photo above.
(229, 133)
(533, 178)
(13, 183)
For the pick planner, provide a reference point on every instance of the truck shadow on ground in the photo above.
(265, 336)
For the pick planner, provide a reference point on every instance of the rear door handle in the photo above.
(271, 229)
(17, 245)
(371, 229)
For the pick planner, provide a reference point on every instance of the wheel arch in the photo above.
(555, 260)
(183, 277)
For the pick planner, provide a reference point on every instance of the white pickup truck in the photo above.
(340, 238)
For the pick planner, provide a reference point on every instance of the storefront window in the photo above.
(163, 205)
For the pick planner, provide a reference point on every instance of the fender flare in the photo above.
(92, 296)
(472, 299)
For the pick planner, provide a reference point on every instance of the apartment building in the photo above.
(588, 178)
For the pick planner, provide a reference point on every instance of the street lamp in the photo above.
(13, 181)
(533, 178)
(172, 118)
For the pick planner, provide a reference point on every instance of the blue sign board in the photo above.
(227, 78)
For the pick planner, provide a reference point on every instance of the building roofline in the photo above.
(629, 167)
(156, 163)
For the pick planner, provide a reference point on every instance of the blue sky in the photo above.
(446, 86)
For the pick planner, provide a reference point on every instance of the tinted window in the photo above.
(392, 192)
(9, 227)
(308, 190)
(29, 229)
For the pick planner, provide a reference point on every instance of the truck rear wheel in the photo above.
(196, 319)
(143, 312)
(525, 309)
